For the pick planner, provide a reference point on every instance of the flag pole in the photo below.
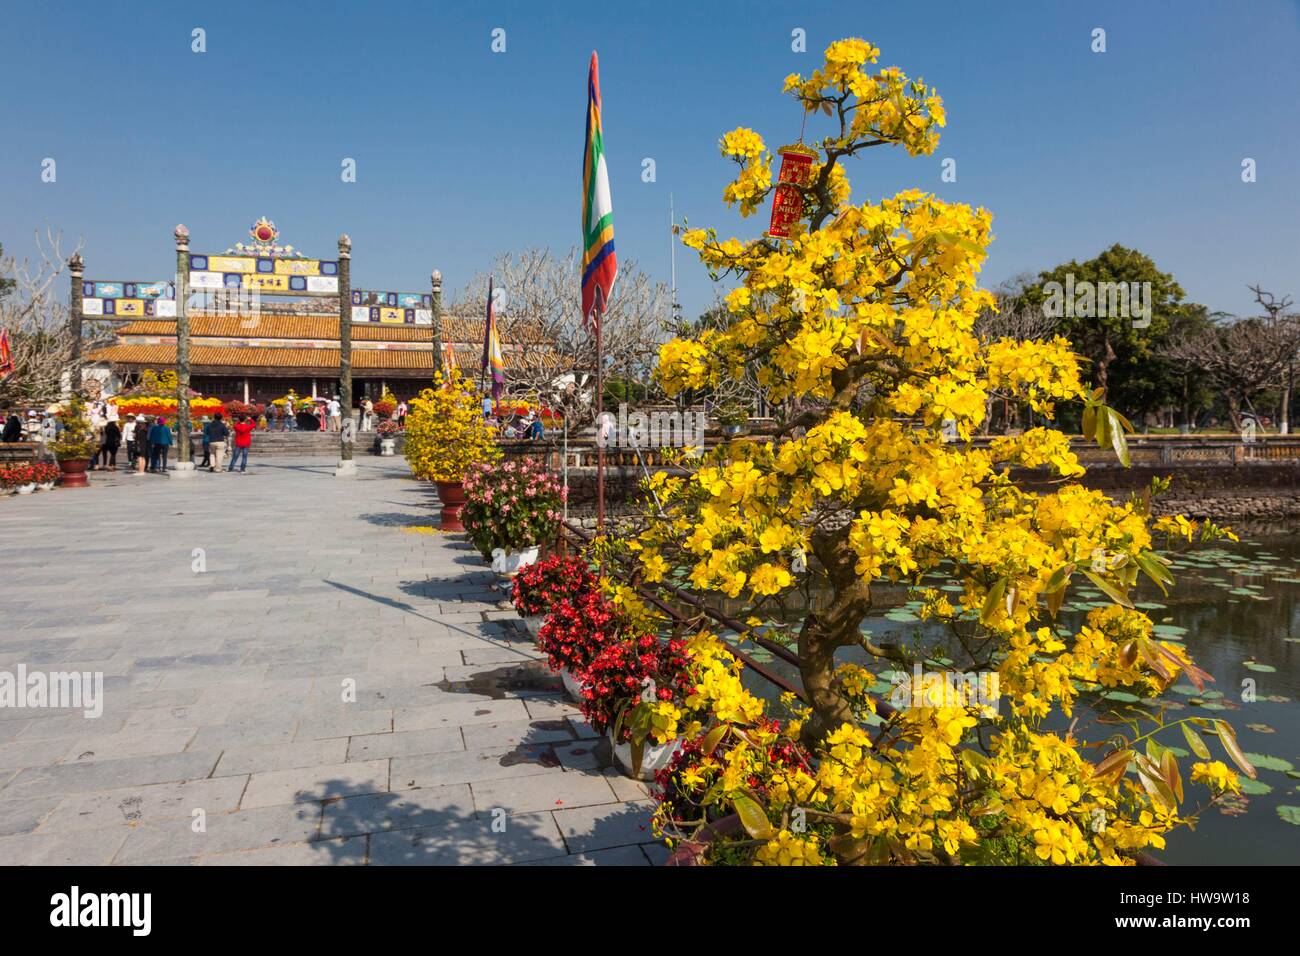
(600, 414)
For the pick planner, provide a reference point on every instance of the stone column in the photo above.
(347, 437)
(77, 269)
(436, 309)
(184, 466)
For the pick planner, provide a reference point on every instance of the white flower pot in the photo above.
(46, 486)
(654, 757)
(572, 686)
(387, 446)
(27, 489)
(534, 623)
(508, 563)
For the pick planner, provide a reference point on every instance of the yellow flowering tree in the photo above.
(446, 431)
(860, 327)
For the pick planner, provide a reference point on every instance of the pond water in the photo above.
(1236, 608)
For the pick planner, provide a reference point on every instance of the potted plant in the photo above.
(574, 632)
(8, 480)
(23, 477)
(538, 586)
(47, 473)
(636, 692)
(75, 445)
(511, 508)
(732, 416)
(388, 431)
(446, 433)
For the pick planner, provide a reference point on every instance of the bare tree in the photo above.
(1284, 327)
(1237, 357)
(539, 312)
(37, 323)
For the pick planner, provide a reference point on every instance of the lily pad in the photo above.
(1266, 762)
(1259, 668)
(1289, 814)
(1256, 788)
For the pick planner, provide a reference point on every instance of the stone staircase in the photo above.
(277, 444)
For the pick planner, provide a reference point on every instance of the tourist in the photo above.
(367, 415)
(160, 444)
(142, 451)
(336, 414)
(401, 414)
(215, 435)
(13, 430)
(49, 428)
(243, 441)
(128, 439)
(207, 444)
(320, 415)
(533, 428)
(487, 406)
(111, 442)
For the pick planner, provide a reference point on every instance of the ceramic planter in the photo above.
(27, 489)
(452, 496)
(46, 485)
(73, 472)
(572, 686)
(534, 623)
(387, 447)
(654, 757)
(507, 563)
(691, 852)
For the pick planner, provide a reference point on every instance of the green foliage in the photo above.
(77, 440)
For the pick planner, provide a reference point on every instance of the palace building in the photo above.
(263, 319)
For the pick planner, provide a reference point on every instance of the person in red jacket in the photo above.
(243, 430)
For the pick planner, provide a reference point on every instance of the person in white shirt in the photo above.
(336, 414)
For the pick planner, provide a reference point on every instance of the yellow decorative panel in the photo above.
(297, 267)
(391, 315)
(130, 307)
(231, 264)
(269, 282)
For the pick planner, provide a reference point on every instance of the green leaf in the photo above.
(1228, 737)
(1195, 742)
(993, 600)
(1289, 814)
(713, 738)
(1108, 589)
(752, 817)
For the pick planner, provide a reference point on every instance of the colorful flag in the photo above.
(6, 354)
(448, 359)
(599, 264)
(492, 347)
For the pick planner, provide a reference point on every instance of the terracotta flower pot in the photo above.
(691, 852)
(73, 472)
(452, 496)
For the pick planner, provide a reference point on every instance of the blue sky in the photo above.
(462, 153)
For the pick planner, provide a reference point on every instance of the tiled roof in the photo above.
(326, 327)
(252, 357)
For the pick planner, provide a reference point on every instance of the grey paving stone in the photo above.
(348, 851)
(458, 714)
(406, 743)
(550, 792)
(258, 759)
(374, 813)
(24, 814)
(595, 828)
(474, 843)
(136, 805)
(126, 743)
(96, 848)
(353, 721)
(515, 732)
(225, 832)
(110, 774)
(614, 856)
(316, 783)
(436, 770)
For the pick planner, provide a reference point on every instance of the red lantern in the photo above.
(787, 203)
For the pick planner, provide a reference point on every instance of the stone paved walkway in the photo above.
(230, 615)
